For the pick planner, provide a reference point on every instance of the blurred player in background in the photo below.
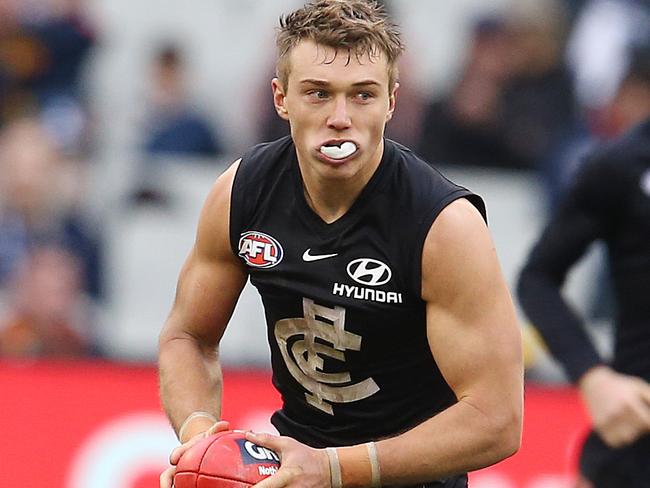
(394, 340)
(609, 200)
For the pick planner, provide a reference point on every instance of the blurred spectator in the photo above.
(38, 203)
(538, 98)
(513, 96)
(629, 104)
(573, 7)
(466, 126)
(599, 47)
(22, 58)
(605, 54)
(46, 315)
(174, 125)
(67, 38)
(43, 48)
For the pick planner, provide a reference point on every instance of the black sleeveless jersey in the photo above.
(345, 318)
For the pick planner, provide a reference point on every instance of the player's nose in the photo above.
(339, 119)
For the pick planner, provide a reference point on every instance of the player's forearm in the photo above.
(190, 381)
(459, 439)
(562, 330)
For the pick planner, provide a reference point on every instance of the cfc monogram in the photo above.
(303, 355)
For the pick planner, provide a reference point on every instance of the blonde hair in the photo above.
(361, 27)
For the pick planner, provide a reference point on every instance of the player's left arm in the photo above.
(475, 339)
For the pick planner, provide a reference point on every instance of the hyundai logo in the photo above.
(369, 272)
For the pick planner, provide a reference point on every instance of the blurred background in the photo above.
(117, 116)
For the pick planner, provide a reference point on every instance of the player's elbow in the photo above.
(172, 337)
(497, 431)
(511, 440)
(506, 434)
(166, 338)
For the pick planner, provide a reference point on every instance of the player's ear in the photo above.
(279, 98)
(392, 96)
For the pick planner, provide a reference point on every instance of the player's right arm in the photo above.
(209, 286)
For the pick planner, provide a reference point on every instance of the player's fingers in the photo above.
(282, 478)
(167, 478)
(219, 426)
(270, 441)
(178, 451)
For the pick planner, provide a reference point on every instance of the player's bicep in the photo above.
(471, 323)
(212, 277)
(206, 295)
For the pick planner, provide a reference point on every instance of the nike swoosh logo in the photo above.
(316, 257)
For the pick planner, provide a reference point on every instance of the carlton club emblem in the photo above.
(260, 250)
(306, 342)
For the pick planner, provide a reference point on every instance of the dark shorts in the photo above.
(616, 468)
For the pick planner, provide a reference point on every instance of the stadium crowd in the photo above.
(534, 91)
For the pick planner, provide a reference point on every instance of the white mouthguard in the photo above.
(336, 152)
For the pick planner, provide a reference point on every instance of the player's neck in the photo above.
(331, 198)
(329, 205)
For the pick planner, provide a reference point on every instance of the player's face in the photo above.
(337, 106)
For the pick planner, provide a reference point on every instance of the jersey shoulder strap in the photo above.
(260, 170)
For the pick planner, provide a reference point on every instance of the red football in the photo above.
(225, 460)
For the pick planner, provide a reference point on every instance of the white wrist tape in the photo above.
(335, 467)
(375, 472)
(191, 417)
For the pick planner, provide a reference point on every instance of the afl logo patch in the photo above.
(368, 271)
(260, 250)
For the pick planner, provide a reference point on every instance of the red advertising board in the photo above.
(99, 425)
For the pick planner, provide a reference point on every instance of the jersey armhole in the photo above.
(425, 225)
(236, 208)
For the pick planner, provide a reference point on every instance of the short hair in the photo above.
(361, 27)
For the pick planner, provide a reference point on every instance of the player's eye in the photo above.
(364, 96)
(318, 94)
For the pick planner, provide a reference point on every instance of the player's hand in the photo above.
(167, 476)
(300, 465)
(619, 405)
